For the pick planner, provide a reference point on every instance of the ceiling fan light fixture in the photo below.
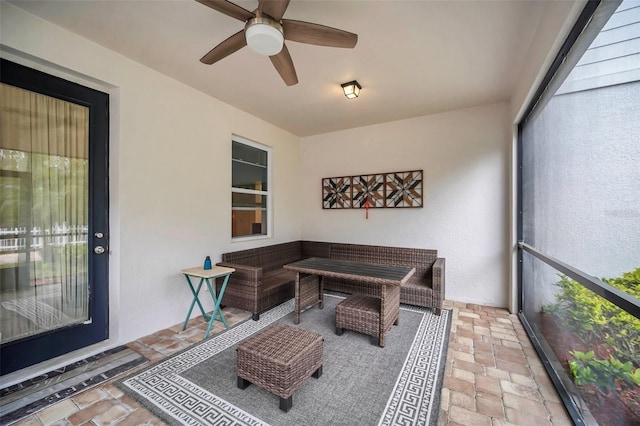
(351, 89)
(264, 36)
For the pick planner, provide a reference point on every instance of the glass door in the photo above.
(53, 281)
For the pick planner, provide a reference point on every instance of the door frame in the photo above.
(25, 352)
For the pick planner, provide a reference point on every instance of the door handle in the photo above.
(98, 250)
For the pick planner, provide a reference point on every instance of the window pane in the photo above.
(581, 205)
(248, 222)
(591, 343)
(249, 154)
(249, 176)
(581, 178)
(44, 182)
(250, 173)
(253, 201)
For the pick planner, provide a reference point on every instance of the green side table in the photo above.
(205, 276)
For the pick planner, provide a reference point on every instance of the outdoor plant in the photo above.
(601, 343)
(598, 322)
(586, 369)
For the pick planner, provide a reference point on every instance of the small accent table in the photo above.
(205, 275)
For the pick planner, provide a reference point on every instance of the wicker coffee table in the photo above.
(279, 360)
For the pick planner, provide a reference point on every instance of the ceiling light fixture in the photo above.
(264, 35)
(351, 89)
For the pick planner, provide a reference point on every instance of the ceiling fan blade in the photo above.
(320, 35)
(229, 9)
(274, 8)
(284, 65)
(226, 48)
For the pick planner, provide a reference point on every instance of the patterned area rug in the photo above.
(361, 383)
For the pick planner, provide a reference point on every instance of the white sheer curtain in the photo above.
(43, 213)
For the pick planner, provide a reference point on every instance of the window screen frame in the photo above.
(268, 194)
(568, 55)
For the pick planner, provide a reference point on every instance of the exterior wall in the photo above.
(465, 158)
(613, 57)
(170, 173)
(582, 199)
(584, 184)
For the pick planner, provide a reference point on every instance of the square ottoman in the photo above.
(279, 360)
(361, 314)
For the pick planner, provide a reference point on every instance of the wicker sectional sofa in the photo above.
(260, 282)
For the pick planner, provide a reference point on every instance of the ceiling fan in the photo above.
(265, 31)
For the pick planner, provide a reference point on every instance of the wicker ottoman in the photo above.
(361, 314)
(279, 360)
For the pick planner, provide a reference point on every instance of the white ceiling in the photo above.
(413, 58)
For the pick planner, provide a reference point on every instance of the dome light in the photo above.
(264, 36)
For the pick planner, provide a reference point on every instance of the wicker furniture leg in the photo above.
(308, 292)
(389, 309)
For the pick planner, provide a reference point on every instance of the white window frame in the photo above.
(268, 193)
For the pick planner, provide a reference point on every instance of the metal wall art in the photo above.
(390, 190)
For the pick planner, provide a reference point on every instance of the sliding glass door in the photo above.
(52, 216)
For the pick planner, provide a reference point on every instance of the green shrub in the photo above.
(597, 321)
(587, 369)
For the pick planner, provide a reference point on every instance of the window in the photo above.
(579, 227)
(250, 189)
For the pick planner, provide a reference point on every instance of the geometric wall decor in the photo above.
(336, 193)
(380, 190)
(367, 188)
(403, 189)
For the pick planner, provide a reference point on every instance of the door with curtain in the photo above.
(53, 216)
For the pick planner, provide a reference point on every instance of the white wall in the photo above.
(170, 173)
(465, 158)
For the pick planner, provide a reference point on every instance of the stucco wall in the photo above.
(465, 158)
(170, 172)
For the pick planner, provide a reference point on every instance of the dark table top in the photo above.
(376, 273)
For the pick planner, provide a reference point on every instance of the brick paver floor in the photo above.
(493, 376)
